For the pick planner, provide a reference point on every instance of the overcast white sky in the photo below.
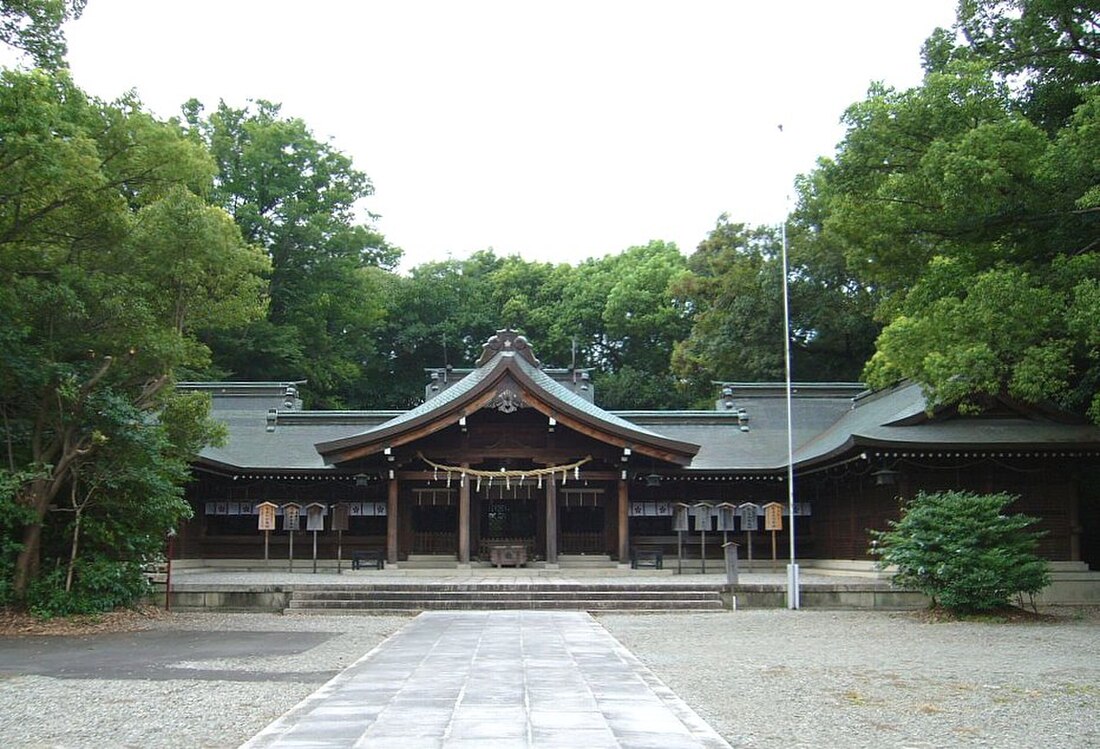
(556, 130)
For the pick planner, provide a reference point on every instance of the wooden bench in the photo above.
(647, 558)
(370, 558)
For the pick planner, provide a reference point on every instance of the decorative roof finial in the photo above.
(507, 340)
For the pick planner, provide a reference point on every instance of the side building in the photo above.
(511, 453)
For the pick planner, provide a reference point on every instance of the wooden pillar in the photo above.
(391, 523)
(464, 518)
(624, 522)
(551, 521)
(1075, 528)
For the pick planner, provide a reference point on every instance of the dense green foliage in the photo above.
(296, 197)
(110, 260)
(734, 293)
(962, 550)
(969, 208)
(34, 27)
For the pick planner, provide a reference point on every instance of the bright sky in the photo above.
(555, 130)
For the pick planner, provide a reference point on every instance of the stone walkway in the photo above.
(494, 678)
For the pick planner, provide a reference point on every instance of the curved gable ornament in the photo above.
(505, 341)
(507, 401)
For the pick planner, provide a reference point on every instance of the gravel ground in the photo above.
(761, 678)
(38, 711)
(827, 679)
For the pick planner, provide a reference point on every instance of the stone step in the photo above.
(502, 595)
(516, 586)
(482, 604)
(586, 561)
(507, 595)
(413, 612)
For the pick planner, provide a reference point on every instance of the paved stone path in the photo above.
(495, 679)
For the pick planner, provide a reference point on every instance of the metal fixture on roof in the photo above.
(272, 417)
(653, 479)
(362, 479)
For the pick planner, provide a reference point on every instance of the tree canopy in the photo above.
(34, 27)
(298, 198)
(110, 261)
(970, 206)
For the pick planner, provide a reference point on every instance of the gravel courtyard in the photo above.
(761, 678)
(830, 679)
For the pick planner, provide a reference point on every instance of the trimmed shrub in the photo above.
(960, 549)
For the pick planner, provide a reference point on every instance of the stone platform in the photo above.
(389, 590)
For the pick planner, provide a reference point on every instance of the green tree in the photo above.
(299, 199)
(962, 550)
(614, 314)
(1049, 48)
(108, 263)
(969, 204)
(34, 27)
(734, 294)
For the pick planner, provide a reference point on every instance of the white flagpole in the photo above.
(793, 596)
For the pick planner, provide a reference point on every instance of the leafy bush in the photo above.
(960, 549)
(99, 585)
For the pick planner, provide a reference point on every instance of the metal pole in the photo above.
(792, 567)
(339, 552)
(168, 572)
(314, 552)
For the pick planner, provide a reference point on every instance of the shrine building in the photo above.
(510, 453)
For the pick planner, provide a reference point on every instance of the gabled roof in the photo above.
(508, 374)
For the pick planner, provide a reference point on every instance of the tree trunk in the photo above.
(38, 496)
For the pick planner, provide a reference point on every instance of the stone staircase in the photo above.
(405, 597)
